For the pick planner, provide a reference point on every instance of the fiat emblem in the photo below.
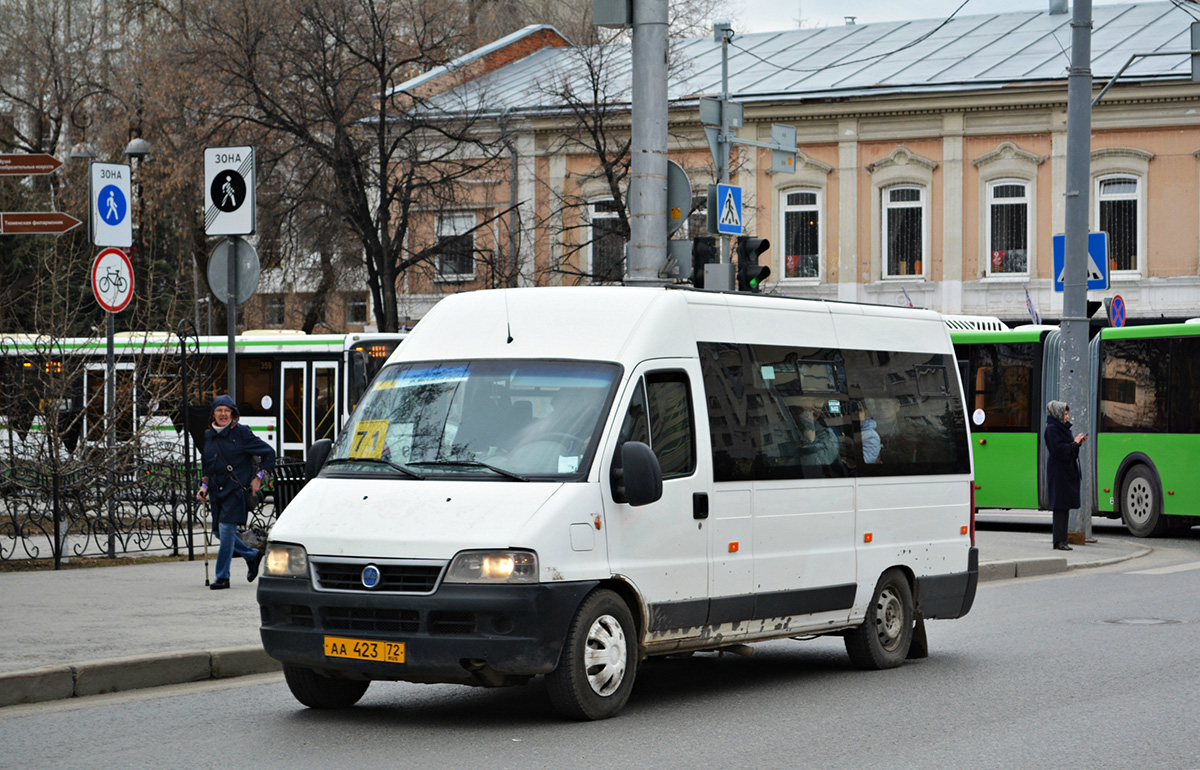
(370, 576)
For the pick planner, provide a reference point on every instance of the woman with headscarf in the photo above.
(1062, 469)
(228, 467)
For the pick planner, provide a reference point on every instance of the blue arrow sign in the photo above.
(1097, 268)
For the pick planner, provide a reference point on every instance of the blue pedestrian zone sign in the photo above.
(109, 190)
(1097, 267)
(729, 208)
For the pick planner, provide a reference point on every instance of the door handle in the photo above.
(699, 505)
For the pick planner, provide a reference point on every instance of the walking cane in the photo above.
(207, 540)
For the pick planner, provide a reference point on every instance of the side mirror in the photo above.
(318, 453)
(641, 475)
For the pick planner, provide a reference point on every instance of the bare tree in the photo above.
(316, 79)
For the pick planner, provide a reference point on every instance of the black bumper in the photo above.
(949, 596)
(467, 634)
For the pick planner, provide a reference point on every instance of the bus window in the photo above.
(1185, 385)
(1002, 382)
(1133, 385)
(255, 386)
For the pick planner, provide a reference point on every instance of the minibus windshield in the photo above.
(510, 420)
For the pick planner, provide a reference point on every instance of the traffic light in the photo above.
(704, 252)
(750, 274)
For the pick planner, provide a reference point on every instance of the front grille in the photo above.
(301, 616)
(452, 622)
(398, 578)
(361, 619)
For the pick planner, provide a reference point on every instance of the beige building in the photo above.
(931, 159)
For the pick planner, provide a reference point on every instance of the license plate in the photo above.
(364, 649)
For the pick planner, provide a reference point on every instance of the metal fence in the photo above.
(74, 511)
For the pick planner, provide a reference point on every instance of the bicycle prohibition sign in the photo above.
(112, 280)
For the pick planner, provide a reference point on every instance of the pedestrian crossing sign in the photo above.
(1097, 264)
(729, 203)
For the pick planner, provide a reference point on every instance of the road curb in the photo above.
(1049, 565)
(138, 672)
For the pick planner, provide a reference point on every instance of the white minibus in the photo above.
(566, 481)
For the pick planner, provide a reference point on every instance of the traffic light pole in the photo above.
(1073, 368)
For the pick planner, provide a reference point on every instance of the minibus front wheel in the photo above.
(322, 692)
(883, 639)
(598, 662)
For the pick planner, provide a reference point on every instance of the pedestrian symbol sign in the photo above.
(112, 224)
(229, 205)
(729, 202)
(1097, 265)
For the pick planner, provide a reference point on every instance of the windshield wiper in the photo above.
(476, 464)
(377, 460)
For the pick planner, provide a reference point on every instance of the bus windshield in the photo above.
(510, 419)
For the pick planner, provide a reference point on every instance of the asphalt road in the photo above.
(1085, 669)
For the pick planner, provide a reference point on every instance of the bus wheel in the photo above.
(882, 641)
(1141, 503)
(322, 692)
(598, 662)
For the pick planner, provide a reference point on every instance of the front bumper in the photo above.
(466, 634)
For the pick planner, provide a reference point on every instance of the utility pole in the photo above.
(1073, 367)
(647, 252)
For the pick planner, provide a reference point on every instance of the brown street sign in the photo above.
(36, 223)
(24, 165)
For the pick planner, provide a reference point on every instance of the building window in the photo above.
(903, 231)
(1117, 213)
(273, 310)
(801, 234)
(1008, 227)
(456, 247)
(696, 223)
(607, 247)
(356, 309)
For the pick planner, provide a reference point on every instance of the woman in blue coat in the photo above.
(1062, 469)
(228, 466)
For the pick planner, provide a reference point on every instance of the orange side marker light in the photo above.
(868, 537)
(733, 547)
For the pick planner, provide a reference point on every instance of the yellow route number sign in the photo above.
(369, 438)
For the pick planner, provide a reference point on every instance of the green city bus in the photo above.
(1144, 420)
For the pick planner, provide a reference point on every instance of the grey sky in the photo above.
(771, 15)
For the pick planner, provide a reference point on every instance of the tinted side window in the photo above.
(1001, 380)
(1133, 385)
(907, 405)
(776, 412)
(660, 415)
(1185, 385)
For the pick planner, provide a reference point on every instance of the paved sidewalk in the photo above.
(89, 631)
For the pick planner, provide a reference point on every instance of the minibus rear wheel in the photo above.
(882, 641)
(598, 662)
(322, 692)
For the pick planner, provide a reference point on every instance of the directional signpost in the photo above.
(25, 165)
(36, 223)
(229, 210)
(33, 222)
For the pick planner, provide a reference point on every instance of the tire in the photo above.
(884, 638)
(1141, 503)
(322, 692)
(599, 660)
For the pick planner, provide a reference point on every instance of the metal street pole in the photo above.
(1073, 367)
(231, 316)
(647, 252)
(723, 144)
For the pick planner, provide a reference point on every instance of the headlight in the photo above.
(493, 567)
(284, 560)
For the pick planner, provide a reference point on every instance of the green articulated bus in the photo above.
(1144, 393)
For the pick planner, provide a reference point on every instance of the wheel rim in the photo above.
(1139, 501)
(889, 618)
(605, 654)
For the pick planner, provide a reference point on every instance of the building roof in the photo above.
(984, 51)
